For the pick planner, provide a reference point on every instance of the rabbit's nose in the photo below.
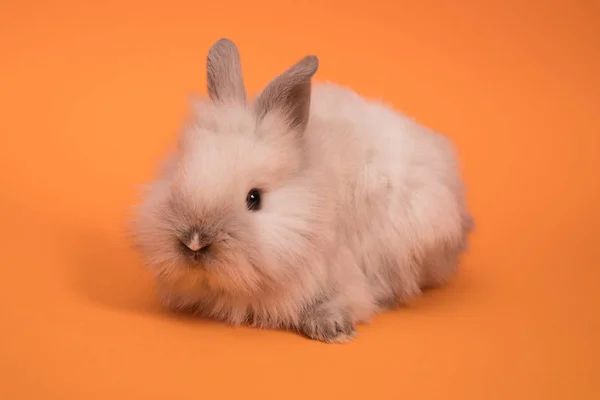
(196, 241)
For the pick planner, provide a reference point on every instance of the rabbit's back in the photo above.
(401, 198)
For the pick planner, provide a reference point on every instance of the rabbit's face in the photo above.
(231, 205)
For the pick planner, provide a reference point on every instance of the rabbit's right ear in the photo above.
(224, 73)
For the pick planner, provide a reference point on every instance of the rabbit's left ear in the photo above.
(224, 73)
(289, 94)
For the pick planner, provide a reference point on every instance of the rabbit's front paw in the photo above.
(328, 325)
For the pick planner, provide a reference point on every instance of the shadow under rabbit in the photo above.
(106, 271)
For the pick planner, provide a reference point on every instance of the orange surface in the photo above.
(92, 95)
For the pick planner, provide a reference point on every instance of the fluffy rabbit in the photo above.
(308, 209)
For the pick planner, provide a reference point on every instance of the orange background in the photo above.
(92, 95)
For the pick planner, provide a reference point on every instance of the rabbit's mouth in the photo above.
(196, 253)
(199, 247)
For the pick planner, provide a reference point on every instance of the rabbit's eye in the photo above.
(253, 200)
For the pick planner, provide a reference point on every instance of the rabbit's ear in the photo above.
(224, 73)
(289, 94)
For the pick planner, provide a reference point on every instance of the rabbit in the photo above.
(309, 209)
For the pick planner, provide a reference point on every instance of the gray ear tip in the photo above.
(224, 42)
(311, 63)
(224, 45)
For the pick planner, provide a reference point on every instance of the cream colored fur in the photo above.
(362, 207)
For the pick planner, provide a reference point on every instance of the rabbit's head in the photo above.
(234, 210)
